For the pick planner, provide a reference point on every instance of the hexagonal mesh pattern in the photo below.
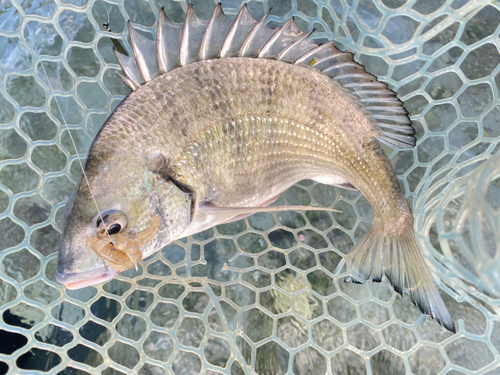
(258, 295)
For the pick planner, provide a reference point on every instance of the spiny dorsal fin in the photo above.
(191, 37)
(238, 32)
(215, 34)
(199, 40)
(132, 74)
(259, 35)
(282, 38)
(144, 53)
(302, 45)
(167, 43)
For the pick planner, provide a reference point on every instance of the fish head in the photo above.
(122, 211)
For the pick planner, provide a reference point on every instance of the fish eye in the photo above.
(114, 228)
(110, 223)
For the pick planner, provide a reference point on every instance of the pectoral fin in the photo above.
(237, 211)
(336, 181)
(347, 186)
(239, 217)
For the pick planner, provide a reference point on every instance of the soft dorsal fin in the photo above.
(198, 40)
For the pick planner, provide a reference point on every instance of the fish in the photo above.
(224, 115)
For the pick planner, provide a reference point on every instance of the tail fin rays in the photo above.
(397, 256)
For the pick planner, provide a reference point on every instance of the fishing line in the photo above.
(106, 25)
(74, 145)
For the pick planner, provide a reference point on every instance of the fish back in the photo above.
(196, 40)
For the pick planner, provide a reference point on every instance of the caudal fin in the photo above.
(398, 255)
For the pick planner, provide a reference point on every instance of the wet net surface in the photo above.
(258, 295)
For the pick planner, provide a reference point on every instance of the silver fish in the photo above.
(223, 117)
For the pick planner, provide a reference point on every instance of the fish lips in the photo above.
(79, 266)
(78, 280)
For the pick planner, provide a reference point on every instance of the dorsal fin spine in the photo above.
(144, 51)
(330, 57)
(129, 68)
(308, 55)
(339, 66)
(215, 34)
(183, 44)
(133, 85)
(199, 40)
(283, 54)
(243, 16)
(206, 36)
(251, 36)
(278, 33)
(160, 55)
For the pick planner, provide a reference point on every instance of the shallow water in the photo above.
(259, 294)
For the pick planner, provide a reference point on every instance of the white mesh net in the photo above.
(258, 295)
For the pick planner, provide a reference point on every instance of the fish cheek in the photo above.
(147, 234)
(125, 253)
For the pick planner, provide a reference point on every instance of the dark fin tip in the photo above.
(451, 327)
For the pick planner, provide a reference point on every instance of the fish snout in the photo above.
(79, 266)
(77, 280)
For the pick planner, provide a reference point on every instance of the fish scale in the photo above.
(246, 155)
(164, 138)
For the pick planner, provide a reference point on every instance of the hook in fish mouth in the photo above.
(78, 280)
(122, 254)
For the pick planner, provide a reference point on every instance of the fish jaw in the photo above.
(79, 266)
(78, 280)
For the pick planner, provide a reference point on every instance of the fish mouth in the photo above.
(78, 280)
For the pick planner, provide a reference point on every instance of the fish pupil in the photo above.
(114, 229)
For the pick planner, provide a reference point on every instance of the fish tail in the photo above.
(396, 254)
